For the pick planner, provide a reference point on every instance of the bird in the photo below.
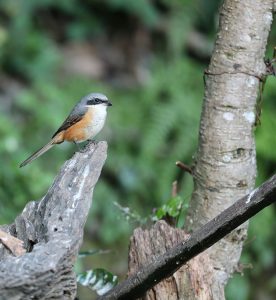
(84, 122)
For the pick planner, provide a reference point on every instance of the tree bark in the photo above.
(159, 252)
(157, 241)
(52, 231)
(225, 167)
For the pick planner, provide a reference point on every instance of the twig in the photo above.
(174, 188)
(184, 167)
(241, 267)
(164, 266)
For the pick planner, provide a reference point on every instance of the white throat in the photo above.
(98, 116)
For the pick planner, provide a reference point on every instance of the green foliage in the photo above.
(173, 208)
(144, 9)
(98, 280)
(149, 127)
(238, 288)
(264, 138)
(86, 253)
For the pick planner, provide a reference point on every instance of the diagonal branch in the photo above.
(152, 273)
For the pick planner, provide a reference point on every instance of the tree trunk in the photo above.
(225, 167)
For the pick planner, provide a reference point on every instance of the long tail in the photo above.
(38, 153)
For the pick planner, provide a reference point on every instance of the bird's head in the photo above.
(97, 99)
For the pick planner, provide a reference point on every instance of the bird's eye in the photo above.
(97, 100)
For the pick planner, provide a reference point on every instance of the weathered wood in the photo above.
(156, 269)
(149, 244)
(12, 243)
(52, 232)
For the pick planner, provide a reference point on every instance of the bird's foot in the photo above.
(94, 142)
(81, 150)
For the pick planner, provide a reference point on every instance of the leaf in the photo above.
(92, 252)
(172, 208)
(98, 280)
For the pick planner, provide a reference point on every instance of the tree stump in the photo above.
(148, 245)
(52, 232)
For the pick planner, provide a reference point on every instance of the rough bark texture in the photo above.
(225, 167)
(52, 231)
(161, 239)
(157, 241)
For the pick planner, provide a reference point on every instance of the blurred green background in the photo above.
(148, 57)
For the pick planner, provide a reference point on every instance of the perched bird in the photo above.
(84, 122)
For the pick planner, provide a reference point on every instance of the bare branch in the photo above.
(184, 167)
(174, 189)
(164, 266)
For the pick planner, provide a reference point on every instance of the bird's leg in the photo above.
(79, 149)
(92, 141)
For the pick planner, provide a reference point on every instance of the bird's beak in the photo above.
(109, 103)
